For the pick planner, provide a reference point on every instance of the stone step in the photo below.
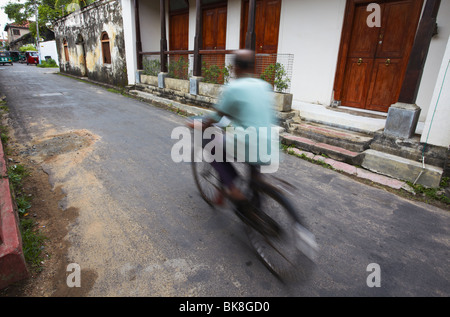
(338, 117)
(402, 168)
(349, 140)
(316, 147)
(171, 104)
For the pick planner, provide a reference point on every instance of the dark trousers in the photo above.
(227, 172)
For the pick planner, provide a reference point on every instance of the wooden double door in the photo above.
(267, 23)
(214, 31)
(179, 41)
(373, 60)
(214, 26)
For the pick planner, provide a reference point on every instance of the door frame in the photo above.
(345, 43)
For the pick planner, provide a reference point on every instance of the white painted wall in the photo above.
(150, 32)
(130, 39)
(437, 128)
(311, 30)
(434, 59)
(233, 24)
(48, 48)
(150, 23)
(192, 21)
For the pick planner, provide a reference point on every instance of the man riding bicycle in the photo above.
(247, 103)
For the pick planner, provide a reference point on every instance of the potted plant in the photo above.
(276, 75)
(177, 77)
(214, 77)
(150, 72)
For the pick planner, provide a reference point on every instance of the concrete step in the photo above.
(171, 104)
(402, 168)
(316, 147)
(354, 120)
(349, 140)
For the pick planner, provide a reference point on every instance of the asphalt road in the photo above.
(144, 230)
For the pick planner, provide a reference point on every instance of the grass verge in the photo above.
(32, 238)
(437, 194)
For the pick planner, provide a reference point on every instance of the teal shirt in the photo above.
(248, 102)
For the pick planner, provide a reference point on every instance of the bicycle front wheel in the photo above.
(290, 253)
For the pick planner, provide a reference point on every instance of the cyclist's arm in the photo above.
(224, 108)
(218, 117)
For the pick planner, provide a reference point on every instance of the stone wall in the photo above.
(82, 30)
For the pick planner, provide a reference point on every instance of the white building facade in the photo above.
(324, 39)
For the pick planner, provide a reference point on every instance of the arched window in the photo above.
(66, 50)
(106, 50)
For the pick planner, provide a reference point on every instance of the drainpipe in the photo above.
(37, 31)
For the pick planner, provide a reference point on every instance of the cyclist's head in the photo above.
(244, 62)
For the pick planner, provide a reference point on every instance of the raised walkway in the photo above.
(344, 150)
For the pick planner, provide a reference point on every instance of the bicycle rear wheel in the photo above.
(290, 254)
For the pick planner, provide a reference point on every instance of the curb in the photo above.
(355, 171)
(12, 261)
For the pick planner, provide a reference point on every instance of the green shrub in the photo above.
(50, 63)
(276, 74)
(215, 74)
(178, 68)
(151, 67)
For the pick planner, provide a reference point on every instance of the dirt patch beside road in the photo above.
(53, 146)
(48, 211)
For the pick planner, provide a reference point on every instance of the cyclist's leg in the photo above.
(226, 172)
(255, 174)
(227, 175)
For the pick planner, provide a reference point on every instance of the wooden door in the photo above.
(214, 28)
(376, 57)
(267, 24)
(179, 32)
(179, 41)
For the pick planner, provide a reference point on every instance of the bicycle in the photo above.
(280, 239)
